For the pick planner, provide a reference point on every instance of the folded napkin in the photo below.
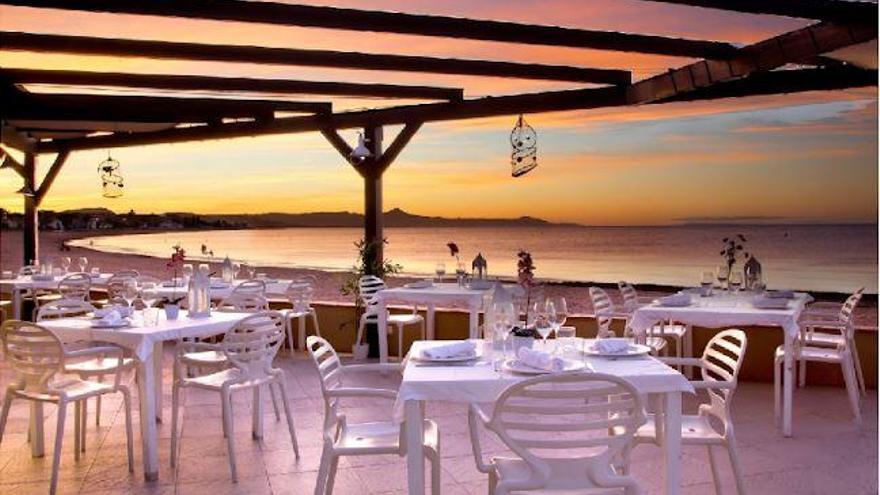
(421, 284)
(120, 310)
(542, 360)
(110, 318)
(767, 302)
(680, 299)
(611, 346)
(779, 294)
(464, 349)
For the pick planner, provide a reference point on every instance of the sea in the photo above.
(834, 258)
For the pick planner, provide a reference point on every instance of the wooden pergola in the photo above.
(40, 123)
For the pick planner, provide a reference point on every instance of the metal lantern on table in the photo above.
(752, 276)
(479, 267)
(199, 293)
(227, 271)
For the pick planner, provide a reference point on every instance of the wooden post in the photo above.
(31, 236)
(372, 173)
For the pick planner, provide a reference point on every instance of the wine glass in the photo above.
(504, 314)
(557, 311)
(440, 270)
(735, 282)
(187, 273)
(706, 283)
(542, 320)
(722, 273)
(129, 291)
(65, 263)
(148, 293)
(82, 262)
(460, 273)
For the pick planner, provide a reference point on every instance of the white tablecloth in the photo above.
(481, 383)
(721, 311)
(277, 288)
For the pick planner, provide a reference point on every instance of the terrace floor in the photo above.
(828, 454)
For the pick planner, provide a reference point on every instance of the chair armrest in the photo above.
(476, 414)
(703, 385)
(102, 351)
(378, 393)
(821, 323)
(372, 367)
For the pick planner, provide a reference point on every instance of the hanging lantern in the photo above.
(111, 181)
(479, 267)
(524, 143)
(360, 152)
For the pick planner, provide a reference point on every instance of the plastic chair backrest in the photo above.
(64, 308)
(330, 373)
(75, 286)
(116, 283)
(253, 286)
(368, 286)
(629, 295)
(299, 293)
(603, 309)
(848, 309)
(33, 352)
(253, 342)
(587, 419)
(722, 359)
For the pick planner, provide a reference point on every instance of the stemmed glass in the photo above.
(504, 314)
(722, 273)
(557, 311)
(187, 273)
(65, 263)
(542, 320)
(149, 295)
(83, 263)
(706, 284)
(130, 291)
(440, 270)
(735, 282)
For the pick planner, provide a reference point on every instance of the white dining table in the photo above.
(24, 283)
(220, 290)
(146, 343)
(480, 383)
(726, 310)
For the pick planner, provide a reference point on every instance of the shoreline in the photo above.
(329, 281)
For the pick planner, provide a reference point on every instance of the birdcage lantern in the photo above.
(111, 180)
(479, 267)
(524, 145)
(752, 276)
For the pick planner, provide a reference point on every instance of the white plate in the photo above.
(632, 350)
(118, 324)
(478, 355)
(515, 366)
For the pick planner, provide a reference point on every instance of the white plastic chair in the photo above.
(299, 293)
(73, 286)
(342, 437)
(36, 355)
(97, 367)
(679, 333)
(824, 347)
(248, 296)
(568, 431)
(719, 367)
(249, 347)
(368, 286)
(116, 286)
(603, 309)
(817, 322)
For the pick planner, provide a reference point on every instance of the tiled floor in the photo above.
(827, 455)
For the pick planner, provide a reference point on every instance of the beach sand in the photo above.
(328, 285)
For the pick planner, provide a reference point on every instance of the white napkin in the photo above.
(121, 310)
(536, 358)
(111, 317)
(680, 299)
(463, 349)
(769, 302)
(611, 346)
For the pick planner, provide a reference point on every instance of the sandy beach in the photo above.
(329, 283)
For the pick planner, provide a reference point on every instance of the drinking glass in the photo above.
(148, 293)
(440, 270)
(722, 273)
(543, 326)
(735, 282)
(187, 273)
(129, 291)
(557, 311)
(82, 262)
(565, 337)
(96, 272)
(504, 316)
(706, 283)
(460, 273)
(65, 263)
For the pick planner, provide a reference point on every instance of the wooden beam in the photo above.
(206, 83)
(14, 139)
(31, 227)
(396, 22)
(336, 141)
(825, 10)
(11, 163)
(579, 99)
(49, 179)
(83, 45)
(403, 138)
(86, 107)
(374, 234)
(801, 44)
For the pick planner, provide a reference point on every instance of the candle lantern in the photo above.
(227, 271)
(752, 276)
(479, 267)
(524, 148)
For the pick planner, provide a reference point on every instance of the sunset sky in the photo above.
(803, 157)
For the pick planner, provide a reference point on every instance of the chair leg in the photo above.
(84, 419)
(129, 431)
(98, 404)
(315, 322)
(734, 462)
(4, 413)
(777, 390)
(852, 387)
(226, 397)
(493, 482)
(323, 468)
(175, 411)
(713, 464)
(435, 474)
(331, 474)
(59, 438)
(77, 428)
(288, 328)
(400, 332)
(274, 403)
(802, 373)
(290, 425)
(857, 362)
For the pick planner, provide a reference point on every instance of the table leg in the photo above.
(38, 448)
(258, 413)
(16, 303)
(302, 332)
(415, 457)
(149, 435)
(688, 351)
(787, 384)
(474, 320)
(429, 315)
(382, 331)
(157, 374)
(672, 442)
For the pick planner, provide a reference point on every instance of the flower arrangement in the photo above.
(525, 272)
(733, 248)
(175, 266)
(453, 250)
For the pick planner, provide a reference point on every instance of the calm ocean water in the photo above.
(810, 257)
